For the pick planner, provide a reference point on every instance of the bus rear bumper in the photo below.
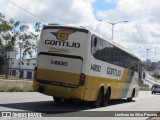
(59, 91)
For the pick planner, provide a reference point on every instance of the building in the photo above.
(24, 69)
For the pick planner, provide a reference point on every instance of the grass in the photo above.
(16, 89)
(156, 76)
(144, 87)
(11, 78)
(15, 85)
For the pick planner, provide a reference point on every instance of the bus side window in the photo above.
(94, 45)
(95, 42)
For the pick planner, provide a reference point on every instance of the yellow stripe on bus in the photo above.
(92, 84)
(58, 76)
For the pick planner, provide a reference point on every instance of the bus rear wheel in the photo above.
(98, 101)
(57, 100)
(131, 98)
(69, 100)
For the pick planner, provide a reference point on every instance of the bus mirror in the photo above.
(95, 42)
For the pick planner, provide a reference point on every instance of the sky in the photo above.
(141, 32)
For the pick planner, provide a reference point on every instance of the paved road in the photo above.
(34, 101)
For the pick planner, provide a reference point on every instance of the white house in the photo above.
(23, 68)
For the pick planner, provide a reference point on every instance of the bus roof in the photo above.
(66, 27)
(86, 30)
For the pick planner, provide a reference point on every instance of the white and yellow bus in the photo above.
(76, 63)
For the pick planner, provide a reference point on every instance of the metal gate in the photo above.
(29, 75)
(21, 74)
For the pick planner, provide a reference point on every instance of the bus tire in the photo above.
(69, 100)
(106, 98)
(131, 98)
(57, 100)
(98, 101)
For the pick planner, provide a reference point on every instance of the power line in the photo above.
(3, 20)
(27, 11)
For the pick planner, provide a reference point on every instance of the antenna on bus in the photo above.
(82, 26)
(53, 24)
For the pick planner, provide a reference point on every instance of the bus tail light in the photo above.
(35, 72)
(82, 79)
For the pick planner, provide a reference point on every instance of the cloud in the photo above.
(68, 11)
(142, 30)
(143, 26)
(110, 1)
(133, 9)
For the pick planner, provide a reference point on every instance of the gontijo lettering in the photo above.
(112, 71)
(64, 44)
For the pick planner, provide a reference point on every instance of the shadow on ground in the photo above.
(64, 109)
(156, 94)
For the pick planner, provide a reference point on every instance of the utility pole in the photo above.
(155, 60)
(20, 61)
(7, 64)
(155, 51)
(113, 24)
(147, 52)
(147, 61)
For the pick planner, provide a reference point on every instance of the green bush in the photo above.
(144, 87)
(156, 76)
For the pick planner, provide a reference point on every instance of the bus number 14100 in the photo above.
(59, 63)
(96, 68)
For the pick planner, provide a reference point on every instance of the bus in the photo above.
(74, 63)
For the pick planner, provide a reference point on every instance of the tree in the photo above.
(5, 43)
(15, 35)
